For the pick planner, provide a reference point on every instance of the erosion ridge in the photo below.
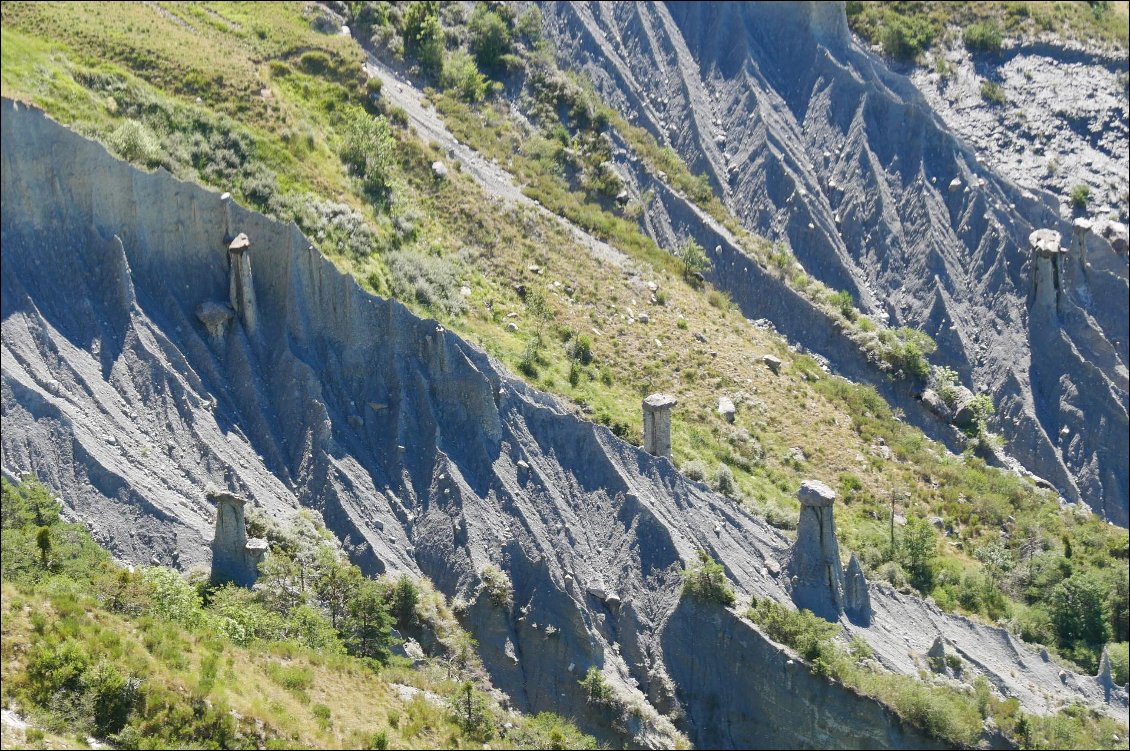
(812, 141)
(406, 438)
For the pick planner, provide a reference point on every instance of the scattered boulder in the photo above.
(1116, 233)
(963, 414)
(935, 404)
(726, 408)
(773, 363)
(215, 317)
(439, 170)
(937, 651)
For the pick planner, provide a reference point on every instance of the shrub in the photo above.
(810, 635)
(906, 37)
(135, 143)
(946, 382)
(461, 75)
(497, 585)
(707, 581)
(173, 598)
(1119, 654)
(905, 351)
(1080, 196)
(695, 470)
(983, 36)
(597, 690)
(431, 281)
(694, 258)
(472, 712)
(580, 349)
(490, 37)
(367, 148)
(844, 303)
(724, 481)
(112, 695)
(423, 35)
(992, 92)
(1077, 610)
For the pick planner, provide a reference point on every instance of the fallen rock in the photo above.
(439, 170)
(726, 408)
(773, 363)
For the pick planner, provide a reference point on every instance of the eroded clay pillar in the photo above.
(241, 288)
(657, 424)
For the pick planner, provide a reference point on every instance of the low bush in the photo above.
(431, 281)
(706, 580)
(983, 36)
(497, 585)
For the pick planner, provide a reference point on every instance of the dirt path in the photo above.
(400, 92)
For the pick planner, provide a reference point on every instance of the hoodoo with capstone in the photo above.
(235, 558)
(813, 566)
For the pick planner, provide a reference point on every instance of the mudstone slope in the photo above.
(124, 389)
(813, 141)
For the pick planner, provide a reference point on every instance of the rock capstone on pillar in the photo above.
(235, 558)
(241, 288)
(215, 317)
(657, 424)
(814, 568)
(1047, 269)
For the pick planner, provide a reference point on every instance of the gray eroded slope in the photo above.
(812, 141)
(404, 437)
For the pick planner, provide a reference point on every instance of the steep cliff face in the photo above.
(814, 142)
(118, 392)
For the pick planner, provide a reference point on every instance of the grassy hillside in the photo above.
(254, 100)
(148, 659)
(906, 29)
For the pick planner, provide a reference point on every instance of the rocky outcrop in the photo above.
(451, 464)
(814, 568)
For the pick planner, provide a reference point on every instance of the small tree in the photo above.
(918, 550)
(695, 260)
(597, 690)
(490, 37)
(367, 626)
(1077, 610)
(1080, 196)
(472, 711)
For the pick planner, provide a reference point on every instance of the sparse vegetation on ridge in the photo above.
(151, 659)
(426, 241)
(906, 29)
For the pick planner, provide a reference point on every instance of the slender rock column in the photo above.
(241, 287)
(235, 558)
(657, 424)
(1047, 270)
(815, 572)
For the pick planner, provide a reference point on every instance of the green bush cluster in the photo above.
(706, 580)
(497, 586)
(433, 281)
(983, 36)
(992, 92)
(367, 147)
